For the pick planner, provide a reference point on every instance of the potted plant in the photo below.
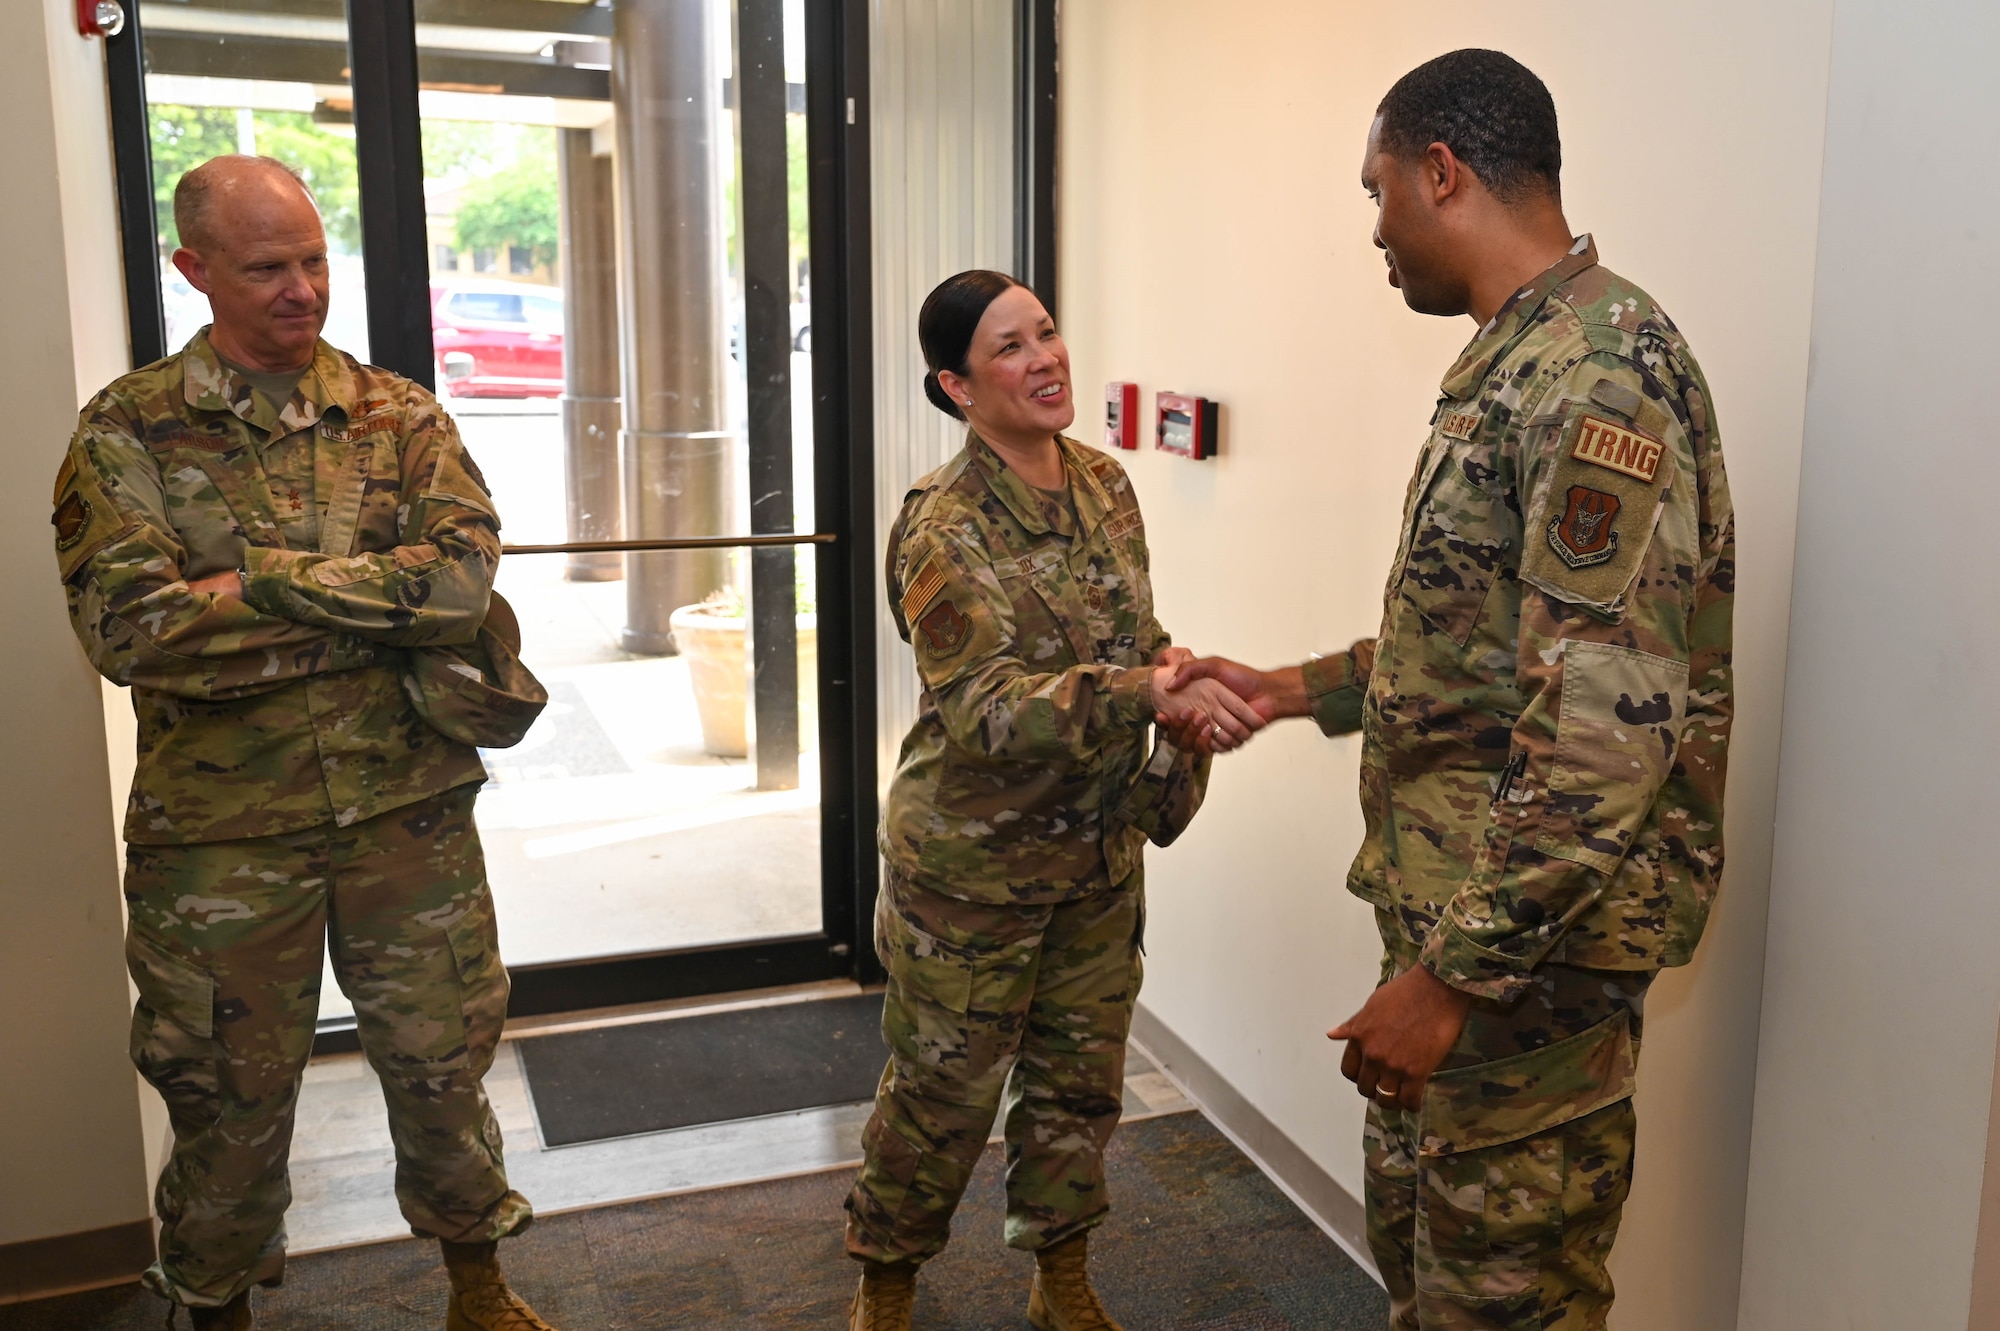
(714, 637)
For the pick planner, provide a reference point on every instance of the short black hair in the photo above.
(945, 326)
(1489, 109)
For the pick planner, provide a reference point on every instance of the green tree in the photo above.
(514, 206)
(186, 136)
(183, 138)
(326, 160)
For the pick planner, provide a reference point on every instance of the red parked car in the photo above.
(497, 339)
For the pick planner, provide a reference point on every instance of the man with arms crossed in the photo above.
(1544, 719)
(252, 534)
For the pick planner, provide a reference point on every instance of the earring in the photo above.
(968, 402)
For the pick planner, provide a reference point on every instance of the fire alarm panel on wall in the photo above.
(1186, 425)
(1121, 415)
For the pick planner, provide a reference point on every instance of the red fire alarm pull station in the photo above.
(1187, 425)
(1121, 415)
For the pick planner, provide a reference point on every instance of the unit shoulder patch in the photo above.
(71, 519)
(1585, 533)
(1620, 448)
(944, 629)
(923, 589)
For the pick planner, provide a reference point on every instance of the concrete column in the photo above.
(590, 354)
(676, 446)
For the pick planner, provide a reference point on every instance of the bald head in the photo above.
(224, 193)
(252, 242)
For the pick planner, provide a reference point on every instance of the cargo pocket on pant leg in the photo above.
(482, 981)
(173, 1031)
(924, 1016)
(1492, 1168)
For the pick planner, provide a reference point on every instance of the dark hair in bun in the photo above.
(945, 326)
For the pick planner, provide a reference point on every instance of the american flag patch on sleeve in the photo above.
(923, 589)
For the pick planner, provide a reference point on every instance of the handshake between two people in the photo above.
(1407, 1027)
(1211, 704)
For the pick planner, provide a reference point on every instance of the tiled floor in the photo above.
(343, 1167)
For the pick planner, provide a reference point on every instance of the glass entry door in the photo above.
(624, 209)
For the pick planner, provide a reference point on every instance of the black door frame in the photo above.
(388, 150)
(388, 147)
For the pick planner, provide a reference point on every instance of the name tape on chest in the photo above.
(1123, 525)
(168, 439)
(1618, 448)
(923, 589)
(354, 430)
(1459, 424)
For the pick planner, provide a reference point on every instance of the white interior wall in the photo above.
(72, 1157)
(1216, 240)
(1881, 991)
(941, 106)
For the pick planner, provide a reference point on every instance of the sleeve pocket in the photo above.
(85, 521)
(1622, 713)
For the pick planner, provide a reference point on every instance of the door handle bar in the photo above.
(679, 543)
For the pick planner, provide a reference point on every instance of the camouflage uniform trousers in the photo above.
(973, 990)
(225, 943)
(1513, 1235)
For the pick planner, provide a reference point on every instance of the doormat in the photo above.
(618, 1081)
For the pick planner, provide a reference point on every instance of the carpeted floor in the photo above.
(1198, 1238)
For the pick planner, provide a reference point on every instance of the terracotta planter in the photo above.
(719, 668)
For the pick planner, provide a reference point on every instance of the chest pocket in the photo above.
(1461, 538)
(1046, 605)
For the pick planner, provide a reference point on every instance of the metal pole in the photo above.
(590, 355)
(767, 351)
(677, 447)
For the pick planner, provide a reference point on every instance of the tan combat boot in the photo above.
(480, 1299)
(883, 1302)
(231, 1316)
(1062, 1299)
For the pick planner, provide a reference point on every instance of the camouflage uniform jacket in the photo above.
(285, 709)
(1026, 778)
(1545, 716)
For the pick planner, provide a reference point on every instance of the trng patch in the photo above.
(71, 519)
(1618, 448)
(1584, 535)
(944, 629)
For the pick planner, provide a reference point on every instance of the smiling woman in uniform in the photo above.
(1011, 916)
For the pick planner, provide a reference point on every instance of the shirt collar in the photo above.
(325, 386)
(1508, 322)
(1036, 510)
